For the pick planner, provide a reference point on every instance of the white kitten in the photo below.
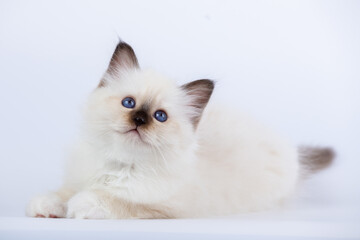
(150, 149)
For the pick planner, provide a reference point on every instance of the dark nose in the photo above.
(140, 118)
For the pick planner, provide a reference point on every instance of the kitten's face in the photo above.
(144, 111)
(127, 110)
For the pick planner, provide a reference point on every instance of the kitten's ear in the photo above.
(123, 58)
(199, 93)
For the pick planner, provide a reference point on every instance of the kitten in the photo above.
(152, 149)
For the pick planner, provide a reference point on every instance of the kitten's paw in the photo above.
(87, 205)
(49, 206)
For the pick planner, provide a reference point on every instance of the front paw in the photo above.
(87, 205)
(49, 206)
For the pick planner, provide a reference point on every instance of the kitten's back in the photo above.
(241, 160)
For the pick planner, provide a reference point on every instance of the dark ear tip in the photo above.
(206, 83)
(210, 83)
(200, 92)
(123, 57)
(123, 45)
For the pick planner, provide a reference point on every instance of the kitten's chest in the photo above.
(114, 175)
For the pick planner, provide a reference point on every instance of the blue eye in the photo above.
(160, 115)
(128, 102)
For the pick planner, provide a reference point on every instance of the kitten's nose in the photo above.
(140, 118)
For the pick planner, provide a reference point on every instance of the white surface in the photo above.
(332, 224)
(292, 64)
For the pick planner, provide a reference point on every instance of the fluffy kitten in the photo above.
(150, 149)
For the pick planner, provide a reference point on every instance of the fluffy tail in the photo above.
(313, 159)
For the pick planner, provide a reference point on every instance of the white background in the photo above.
(292, 64)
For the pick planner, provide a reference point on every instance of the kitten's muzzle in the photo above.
(140, 118)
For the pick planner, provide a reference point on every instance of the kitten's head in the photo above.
(141, 111)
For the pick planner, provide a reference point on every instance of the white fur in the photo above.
(46, 205)
(229, 164)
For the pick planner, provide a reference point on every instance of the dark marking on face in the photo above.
(141, 117)
(145, 107)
